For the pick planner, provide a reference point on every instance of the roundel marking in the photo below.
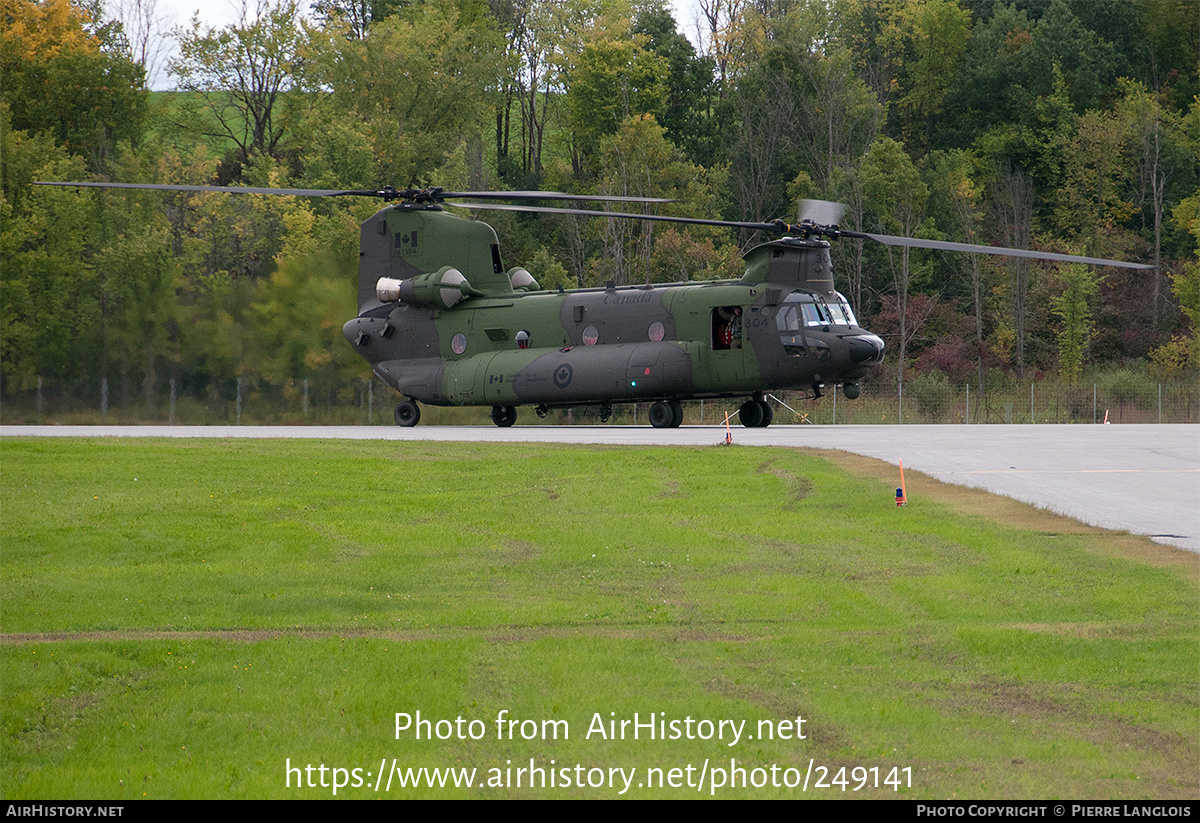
(563, 375)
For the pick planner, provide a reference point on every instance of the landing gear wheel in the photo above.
(504, 416)
(768, 414)
(677, 410)
(605, 412)
(662, 416)
(751, 414)
(407, 414)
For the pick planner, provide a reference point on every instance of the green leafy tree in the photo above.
(137, 278)
(636, 161)
(1091, 203)
(612, 81)
(799, 109)
(691, 89)
(898, 198)
(1169, 44)
(761, 122)
(839, 116)
(418, 87)
(1181, 354)
(732, 36)
(1011, 63)
(927, 40)
(549, 272)
(46, 278)
(542, 39)
(958, 196)
(1072, 305)
(296, 320)
(246, 75)
(1163, 170)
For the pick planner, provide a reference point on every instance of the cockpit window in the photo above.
(842, 314)
(815, 314)
(801, 308)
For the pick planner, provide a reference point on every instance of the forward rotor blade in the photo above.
(920, 243)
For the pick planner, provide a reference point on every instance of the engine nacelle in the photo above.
(522, 280)
(442, 289)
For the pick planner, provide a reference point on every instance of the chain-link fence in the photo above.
(1123, 401)
(1120, 398)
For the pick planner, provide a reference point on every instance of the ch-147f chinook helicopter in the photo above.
(444, 323)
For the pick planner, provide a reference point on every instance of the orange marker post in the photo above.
(728, 432)
(901, 496)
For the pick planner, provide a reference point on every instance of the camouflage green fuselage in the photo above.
(488, 344)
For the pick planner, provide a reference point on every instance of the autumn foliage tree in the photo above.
(68, 76)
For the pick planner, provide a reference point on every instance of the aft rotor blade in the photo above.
(920, 243)
(224, 189)
(662, 218)
(551, 195)
(387, 193)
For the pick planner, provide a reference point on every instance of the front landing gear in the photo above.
(504, 416)
(756, 414)
(407, 414)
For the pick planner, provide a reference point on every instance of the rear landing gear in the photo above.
(504, 416)
(407, 414)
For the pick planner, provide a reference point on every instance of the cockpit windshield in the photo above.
(802, 309)
(842, 314)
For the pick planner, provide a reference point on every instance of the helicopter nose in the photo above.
(866, 350)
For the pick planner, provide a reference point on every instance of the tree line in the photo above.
(1065, 126)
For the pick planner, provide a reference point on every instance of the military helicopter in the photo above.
(444, 323)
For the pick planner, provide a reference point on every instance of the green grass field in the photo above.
(195, 618)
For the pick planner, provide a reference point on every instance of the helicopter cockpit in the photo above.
(803, 309)
(810, 324)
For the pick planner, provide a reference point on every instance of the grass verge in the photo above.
(191, 619)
